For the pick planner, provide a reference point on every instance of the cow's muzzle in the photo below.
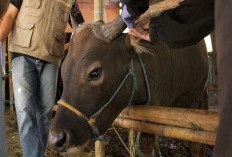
(58, 140)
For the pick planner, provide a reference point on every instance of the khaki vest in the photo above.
(39, 29)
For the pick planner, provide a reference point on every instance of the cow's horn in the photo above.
(111, 30)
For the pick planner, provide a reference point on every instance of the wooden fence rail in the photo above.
(181, 117)
(187, 124)
(198, 136)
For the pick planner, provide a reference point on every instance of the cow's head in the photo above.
(96, 66)
(92, 71)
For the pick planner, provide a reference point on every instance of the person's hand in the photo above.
(140, 33)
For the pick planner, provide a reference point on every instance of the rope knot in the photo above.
(91, 121)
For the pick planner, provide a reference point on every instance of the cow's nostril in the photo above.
(58, 141)
(61, 141)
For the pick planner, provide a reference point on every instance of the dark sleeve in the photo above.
(16, 3)
(136, 7)
(183, 26)
(76, 14)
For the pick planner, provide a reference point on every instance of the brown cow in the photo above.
(96, 65)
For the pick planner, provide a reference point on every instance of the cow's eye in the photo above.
(95, 74)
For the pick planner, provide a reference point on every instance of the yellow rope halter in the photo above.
(90, 121)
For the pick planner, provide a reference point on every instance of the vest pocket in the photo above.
(58, 38)
(57, 48)
(61, 18)
(21, 36)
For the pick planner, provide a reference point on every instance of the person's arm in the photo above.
(185, 25)
(1, 18)
(178, 35)
(8, 21)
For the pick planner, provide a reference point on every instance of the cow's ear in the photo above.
(140, 45)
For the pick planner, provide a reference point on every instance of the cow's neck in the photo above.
(141, 95)
(128, 53)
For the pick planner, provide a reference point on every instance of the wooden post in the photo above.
(3, 74)
(212, 78)
(98, 10)
(99, 149)
(11, 95)
(98, 17)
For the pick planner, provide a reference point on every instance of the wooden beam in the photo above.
(186, 124)
(168, 131)
(186, 118)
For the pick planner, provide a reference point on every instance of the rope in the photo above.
(123, 143)
(146, 81)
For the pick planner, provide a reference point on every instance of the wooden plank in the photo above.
(168, 131)
(185, 118)
(186, 124)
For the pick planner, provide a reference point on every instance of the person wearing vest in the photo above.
(37, 45)
(3, 143)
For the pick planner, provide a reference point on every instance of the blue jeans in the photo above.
(3, 145)
(34, 85)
